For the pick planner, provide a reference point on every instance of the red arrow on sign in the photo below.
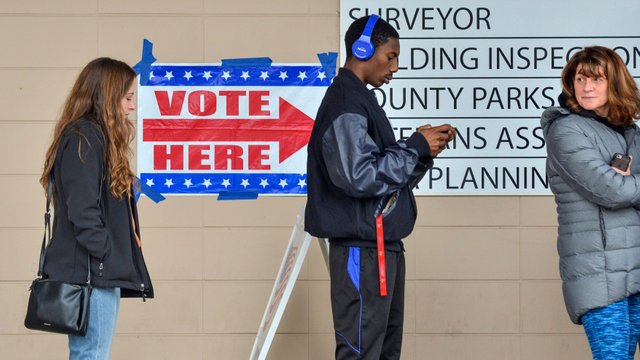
(292, 130)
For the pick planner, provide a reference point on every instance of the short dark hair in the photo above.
(382, 32)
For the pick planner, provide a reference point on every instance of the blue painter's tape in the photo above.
(143, 67)
(329, 61)
(238, 195)
(247, 62)
(147, 190)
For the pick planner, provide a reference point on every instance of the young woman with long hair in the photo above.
(96, 218)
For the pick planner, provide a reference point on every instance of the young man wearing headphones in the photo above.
(360, 181)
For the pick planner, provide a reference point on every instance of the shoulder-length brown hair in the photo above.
(97, 95)
(623, 96)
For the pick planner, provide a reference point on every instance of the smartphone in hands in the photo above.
(620, 161)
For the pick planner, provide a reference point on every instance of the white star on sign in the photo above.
(187, 75)
(150, 182)
(303, 75)
(151, 76)
(226, 75)
(264, 75)
(321, 75)
(207, 75)
(187, 183)
(283, 75)
(168, 183)
(302, 183)
(226, 183)
(169, 75)
(283, 183)
(245, 183)
(245, 75)
(207, 183)
(264, 183)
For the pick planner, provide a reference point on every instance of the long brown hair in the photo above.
(97, 96)
(623, 96)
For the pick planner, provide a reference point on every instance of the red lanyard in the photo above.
(382, 263)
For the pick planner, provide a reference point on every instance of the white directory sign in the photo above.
(490, 68)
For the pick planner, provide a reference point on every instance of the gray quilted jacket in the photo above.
(598, 224)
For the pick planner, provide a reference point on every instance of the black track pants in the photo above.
(367, 325)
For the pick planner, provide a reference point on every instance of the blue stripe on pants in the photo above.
(353, 269)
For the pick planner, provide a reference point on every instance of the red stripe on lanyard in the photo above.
(382, 263)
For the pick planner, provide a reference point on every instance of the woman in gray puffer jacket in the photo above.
(597, 203)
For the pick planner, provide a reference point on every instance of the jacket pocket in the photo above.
(400, 218)
(603, 228)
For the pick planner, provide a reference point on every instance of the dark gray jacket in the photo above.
(89, 219)
(355, 164)
(598, 224)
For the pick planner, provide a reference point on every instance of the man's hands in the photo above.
(437, 136)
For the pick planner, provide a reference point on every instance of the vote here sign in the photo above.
(207, 128)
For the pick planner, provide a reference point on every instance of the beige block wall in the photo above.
(482, 271)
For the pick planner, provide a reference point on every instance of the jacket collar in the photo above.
(562, 100)
(350, 79)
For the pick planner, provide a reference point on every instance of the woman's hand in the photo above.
(625, 172)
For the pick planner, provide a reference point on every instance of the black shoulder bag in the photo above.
(57, 306)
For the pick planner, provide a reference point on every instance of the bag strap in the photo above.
(47, 231)
(46, 238)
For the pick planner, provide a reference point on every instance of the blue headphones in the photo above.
(363, 48)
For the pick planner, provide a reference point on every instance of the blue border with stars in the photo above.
(214, 183)
(217, 75)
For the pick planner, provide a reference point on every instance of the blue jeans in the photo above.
(613, 330)
(103, 312)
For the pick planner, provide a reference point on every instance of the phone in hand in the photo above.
(620, 161)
